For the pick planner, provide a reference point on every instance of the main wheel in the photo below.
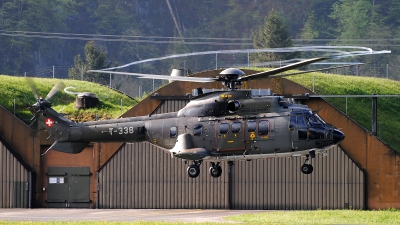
(193, 171)
(215, 171)
(306, 168)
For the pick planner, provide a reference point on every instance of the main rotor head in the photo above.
(231, 77)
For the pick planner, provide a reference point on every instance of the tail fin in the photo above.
(67, 134)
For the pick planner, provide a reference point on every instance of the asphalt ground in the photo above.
(129, 215)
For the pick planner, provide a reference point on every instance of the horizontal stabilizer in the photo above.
(69, 147)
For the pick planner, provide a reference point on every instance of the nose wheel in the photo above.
(215, 170)
(307, 168)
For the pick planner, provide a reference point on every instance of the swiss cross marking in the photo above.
(49, 122)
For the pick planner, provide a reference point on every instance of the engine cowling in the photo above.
(233, 106)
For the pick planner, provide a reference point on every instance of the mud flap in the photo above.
(69, 147)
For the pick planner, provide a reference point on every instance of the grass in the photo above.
(92, 223)
(17, 88)
(321, 217)
(390, 216)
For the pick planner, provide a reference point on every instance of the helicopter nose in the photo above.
(338, 136)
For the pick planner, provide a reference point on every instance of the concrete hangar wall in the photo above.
(140, 175)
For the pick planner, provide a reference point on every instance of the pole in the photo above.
(387, 71)
(82, 73)
(53, 71)
(110, 80)
(313, 79)
(374, 115)
(248, 60)
(121, 106)
(216, 61)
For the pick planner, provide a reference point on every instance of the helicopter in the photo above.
(215, 126)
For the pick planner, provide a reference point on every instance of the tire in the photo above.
(215, 171)
(306, 168)
(193, 171)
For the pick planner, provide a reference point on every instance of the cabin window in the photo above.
(173, 131)
(197, 130)
(251, 126)
(263, 127)
(303, 134)
(236, 126)
(223, 128)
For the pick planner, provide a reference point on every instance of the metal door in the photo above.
(259, 136)
(68, 187)
(230, 135)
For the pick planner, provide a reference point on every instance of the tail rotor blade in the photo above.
(33, 87)
(60, 85)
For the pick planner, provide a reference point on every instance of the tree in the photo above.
(273, 34)
(308, 31)
(94, 60)
(353, 18)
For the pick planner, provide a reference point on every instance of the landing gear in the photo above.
(194, 169)
(307, 168)
(215, 170)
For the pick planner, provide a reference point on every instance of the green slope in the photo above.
(17, 88)
(360, 109)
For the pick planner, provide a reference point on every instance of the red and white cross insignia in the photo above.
(49, 122)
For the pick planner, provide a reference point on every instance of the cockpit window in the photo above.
(302, 122)
(197, 130)
(315, 120)
(251, 126)
(263, 127)
(223, 128)
(236, 127)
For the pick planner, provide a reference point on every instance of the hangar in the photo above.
(358, 174)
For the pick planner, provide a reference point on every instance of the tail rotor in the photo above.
(42, 103)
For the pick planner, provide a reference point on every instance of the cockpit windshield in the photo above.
(307, 118)
(319, 119)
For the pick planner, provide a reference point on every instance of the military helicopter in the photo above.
(215, 126)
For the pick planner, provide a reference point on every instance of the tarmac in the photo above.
(128, 215)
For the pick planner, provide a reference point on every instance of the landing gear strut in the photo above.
(194, 169)
(307, 168)
(215, 170)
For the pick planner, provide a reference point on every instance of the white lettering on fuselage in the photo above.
(121, 130)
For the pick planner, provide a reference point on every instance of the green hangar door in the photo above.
(68, 187)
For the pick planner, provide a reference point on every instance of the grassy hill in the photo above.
(17, 88)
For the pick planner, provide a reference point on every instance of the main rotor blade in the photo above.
(310, 71)
(268, 73)
(161, 77)
(60, 85)
(33, 87)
